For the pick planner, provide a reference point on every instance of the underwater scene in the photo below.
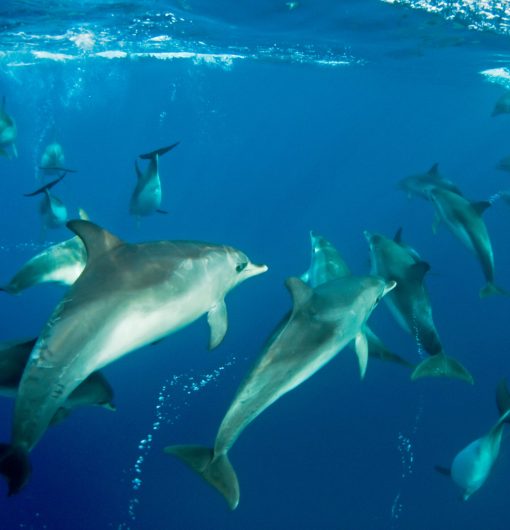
(255, 264)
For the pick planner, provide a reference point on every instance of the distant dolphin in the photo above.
(52, 209)
(323, 321)
(409, 303)
(502, 104)
(60, 263)
(422, 183)
(504, 164)
(53, 160)
(471, 466)
(128, 296)
(464, 219)
(8, 133)
(326, 264)
(146, 198)
(94, 390)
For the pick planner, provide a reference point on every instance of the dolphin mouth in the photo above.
(254, 270)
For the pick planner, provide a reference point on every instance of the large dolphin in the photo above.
(128, 296)
(53, 210)
(464, 219)
(94, 390)
(59, 263)
(502, 105)
(326, 264)
(53, 160)
(422, 183)
(146, 197)
(409, 303)
(323, 321)
(471, 466)
(8, 133)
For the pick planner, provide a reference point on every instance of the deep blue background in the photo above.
(268, 152)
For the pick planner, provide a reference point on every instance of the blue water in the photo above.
(290, 118)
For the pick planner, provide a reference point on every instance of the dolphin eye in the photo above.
(241, 267)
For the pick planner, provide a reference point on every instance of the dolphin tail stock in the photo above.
(15, 467)
(440, 365)
(45, 188)
(215, 469)
(158, 152)
(491, 289)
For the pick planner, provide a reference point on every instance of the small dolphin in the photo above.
(464, 219)
(326, 264)
(53, 160)
(60, 263)
(52, 209)
(423, 183)
(146, 198)
(409, 303)
(471, 466)
(502, 104)
(95, 390)
(128, 296)
(504, 164)
(8, 133)
(323, 321)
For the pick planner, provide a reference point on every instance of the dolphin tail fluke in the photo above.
(158, 152)
(215, 469)
(491, 289)
(15, 467)
(440, 365)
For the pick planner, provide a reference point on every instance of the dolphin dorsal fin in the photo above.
(434, 171)
(299, 290)
(398, 236)
(97, 240)
(419, 269)
(480, 206)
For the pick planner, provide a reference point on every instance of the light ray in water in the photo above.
(167, 411)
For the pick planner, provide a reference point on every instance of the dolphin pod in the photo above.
(324, 319)
(409, 303)
(128, 296)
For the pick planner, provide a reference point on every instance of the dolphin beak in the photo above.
(368, 235)
(110, 406)
(254, 270)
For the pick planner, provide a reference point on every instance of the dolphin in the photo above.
(504, 164)
(409, 303)
(8, 133)
(422, 183)
(146, 197)
(128, 296)
(94, 390)
(52, 209)
(323, 321)
(464, 219)
(52, 160)
(60, 263)
(326, 264)
(502, 105)
(472, 466)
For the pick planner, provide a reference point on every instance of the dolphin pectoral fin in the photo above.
(15, 467)
(490, 289)
(480, 206)
(446, 471)
(299, 290)
(378, 350)
(361, 347)
(97, 240)
(440, 365)
(215, 469)
(418, 270)
(218, 322)
(59, 416)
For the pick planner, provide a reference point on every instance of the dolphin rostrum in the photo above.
(464, 219)
(409, 303)
(94, 390)
(8, 133)
(146, 197)
(471, 466)
(323, 321)
(423, 183)
(128, 296)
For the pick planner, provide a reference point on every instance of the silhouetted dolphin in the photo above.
(94, 390)
(464, 219)
(128, 296)
(471, 466)
(8, 133)
(326, 264)
(146, 198)
(502, 104)
(323, 321)
(409, 303)
(52, 209)
(53, 160)
(423, 183)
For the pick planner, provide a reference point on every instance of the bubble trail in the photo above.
(167, 411)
